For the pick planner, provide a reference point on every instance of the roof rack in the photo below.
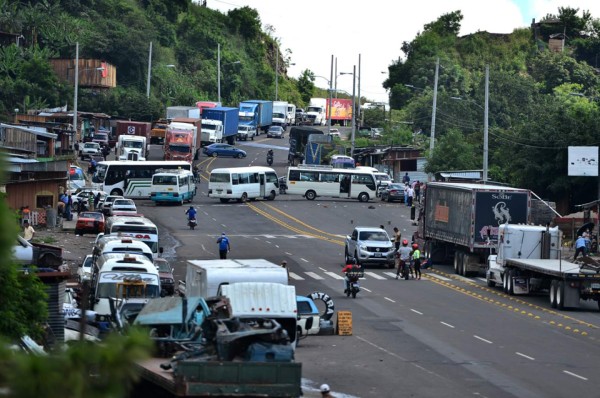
(172, 171)
(314, 166)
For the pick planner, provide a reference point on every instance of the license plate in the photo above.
(377, 254)
(219, 190)
(595, 286)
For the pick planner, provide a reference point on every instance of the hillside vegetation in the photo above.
(540, 101)
(182, 33)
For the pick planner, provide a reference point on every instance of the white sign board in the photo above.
(583, 161)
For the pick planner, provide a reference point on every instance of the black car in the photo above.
(393, 192)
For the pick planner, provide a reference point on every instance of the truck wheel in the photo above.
(510, 283)
(505, 282)
(363, 197)
(310, 195)
(553, 288)
(560, 295)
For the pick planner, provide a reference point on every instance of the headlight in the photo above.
(362, 247)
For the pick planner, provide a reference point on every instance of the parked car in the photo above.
(89, 150)
(89, 221)
(246, 131)
(108, 202)
(215, 150)
(84, 194)
(165, 272)
(275, 132)
(84, 271)
(393, 192)
(122, 205)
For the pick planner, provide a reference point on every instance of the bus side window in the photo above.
(294, 175)
(235, 179)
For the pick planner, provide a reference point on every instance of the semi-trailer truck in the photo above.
(280, 109)
(460, 221)
(529, 260)
(316, 111)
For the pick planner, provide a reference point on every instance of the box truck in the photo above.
(219, 124)
(257, 113)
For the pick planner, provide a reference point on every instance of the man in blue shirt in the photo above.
(579, 247)
(224, 246)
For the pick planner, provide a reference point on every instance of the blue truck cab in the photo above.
(256, 113)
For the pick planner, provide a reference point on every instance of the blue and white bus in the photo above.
(131, 179)
(172, 186)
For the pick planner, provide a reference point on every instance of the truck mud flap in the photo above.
(329, 305)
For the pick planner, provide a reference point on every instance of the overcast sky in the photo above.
(314, 30)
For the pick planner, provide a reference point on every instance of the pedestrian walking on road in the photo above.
(397, 238)
(224, 246)
(416, 257)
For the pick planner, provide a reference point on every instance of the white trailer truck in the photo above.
(530, 260)
(280, 109)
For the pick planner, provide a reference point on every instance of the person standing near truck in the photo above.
(404, 259)
(416, 258)
(224, 246)
(397, 238)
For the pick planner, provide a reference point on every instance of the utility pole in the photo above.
(358, 117)
(219, 72)
(485, 123)
(149, 71)
(330, 96)
(276, 71)
(353, 107)
(76, 88)
(435, 85)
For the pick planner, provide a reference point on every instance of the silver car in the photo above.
(275, 132)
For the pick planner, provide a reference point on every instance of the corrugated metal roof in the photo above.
(31, 130)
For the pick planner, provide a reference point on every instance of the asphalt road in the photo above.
(444, 335)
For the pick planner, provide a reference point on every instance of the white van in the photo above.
(383, 180)
(140, 281)
(121, 244)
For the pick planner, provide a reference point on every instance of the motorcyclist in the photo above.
(191, 213)
(403, 259)
(351, 266)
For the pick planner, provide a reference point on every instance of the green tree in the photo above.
(453, 152)
(306, 85)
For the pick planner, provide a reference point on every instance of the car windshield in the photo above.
(162, 266)
(373, 235)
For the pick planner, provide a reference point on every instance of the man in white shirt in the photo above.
(28, 231)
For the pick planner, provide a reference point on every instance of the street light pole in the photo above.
(276, 71)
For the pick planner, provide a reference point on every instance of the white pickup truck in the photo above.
(369, 245)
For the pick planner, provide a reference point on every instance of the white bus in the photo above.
(312, 181)
(136, 227)
(243, 183)
(172, 186)
(131, 179)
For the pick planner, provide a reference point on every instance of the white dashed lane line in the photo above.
(447, 324)
(575, 375)
(482, 339)
(315, 276)
(296, 276)
(525, 356)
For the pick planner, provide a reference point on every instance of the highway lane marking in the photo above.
(525, 356)
(389, 299)
(315, 276)
(334, 275)
(296, 276)
(289, 254)
(447, 324)
(501, 294)
(366, 290)
(374, 275)
(305, 260)
(390, 274)
(443, 278)
(290, 227)
(416, 312)
(482, 339)
(300, 221)
(575, 375)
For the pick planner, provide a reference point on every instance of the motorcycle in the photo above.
(192, 223)
(353, 285)
(282, 185)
